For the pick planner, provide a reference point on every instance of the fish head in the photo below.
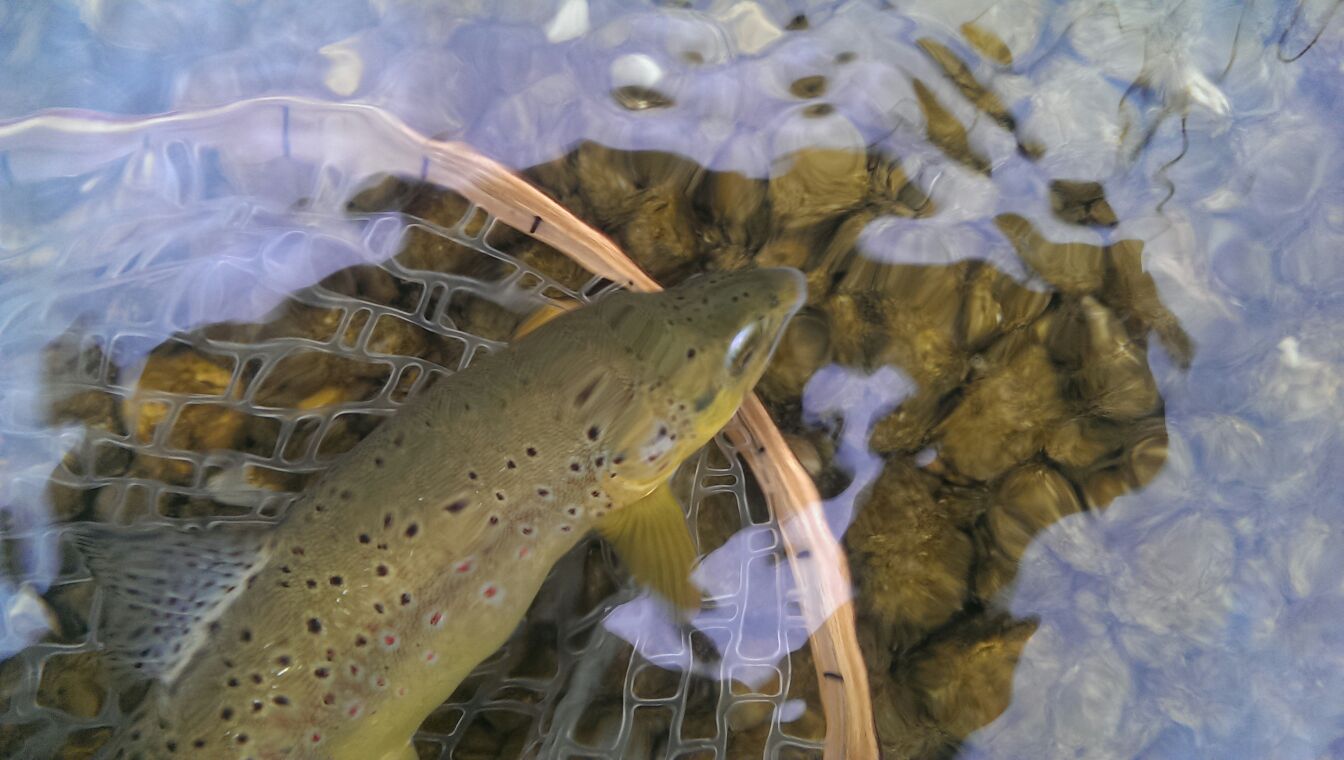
(692, 353)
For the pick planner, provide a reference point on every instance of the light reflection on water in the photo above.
(1192, 617)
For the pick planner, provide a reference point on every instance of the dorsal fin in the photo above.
(162, 586)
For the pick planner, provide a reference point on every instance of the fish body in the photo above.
(335, 633)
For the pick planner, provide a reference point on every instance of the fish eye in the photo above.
(743, 348)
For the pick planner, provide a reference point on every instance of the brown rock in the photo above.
(1075, 268)
(1005, 416)
(1027, 501)
(964, 679)
(910, 559)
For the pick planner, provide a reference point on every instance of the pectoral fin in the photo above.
(653, 540)
(404, 752)
(541, 316)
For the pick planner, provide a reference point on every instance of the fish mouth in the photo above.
(789, 286)
(790, 290)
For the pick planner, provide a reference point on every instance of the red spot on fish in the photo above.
(430, 657)
(401, 691)
(464, 566)
(522, 552)
(390, 641)
(436, 619)
(315, 738)
(490, 592)
(353, 710)
(380, 682)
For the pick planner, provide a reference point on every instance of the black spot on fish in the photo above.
(531, 451)
(256, 705)
(499, 495)
(543, 492)
(310, 583)
(361, 641)
(242, 739)
(599, 461)
(346, 495)
(456, 506)
(297, 551)
(378, 462)
(690, 353)
(198, 743)
(575, 466)
(314, 625)
(246, 635)
(593, 433)
(472, 475)
(381, 570)
(494, 519)
(322, 672)
(411, 530)
(364, 538)
(405, 599)
(283, 660)
(256, 678)
(233, 683)
(281, 700)
(399, 439)
(511, 464)
(379, 608)
(387, 520)
(226, 713)
(335, 580)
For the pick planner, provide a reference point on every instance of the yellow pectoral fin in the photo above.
(653, 540)
(541, 316)
(404, 752)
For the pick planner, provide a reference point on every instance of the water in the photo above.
(1089, 480)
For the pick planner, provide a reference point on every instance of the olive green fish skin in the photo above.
(417, 555)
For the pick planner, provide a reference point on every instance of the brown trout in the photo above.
(334, 633)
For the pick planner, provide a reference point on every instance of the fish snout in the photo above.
(789, 288)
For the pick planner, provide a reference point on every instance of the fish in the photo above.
(333, 633)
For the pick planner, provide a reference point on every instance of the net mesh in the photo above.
(565, 685)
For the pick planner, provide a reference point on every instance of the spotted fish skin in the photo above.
(417, 555)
